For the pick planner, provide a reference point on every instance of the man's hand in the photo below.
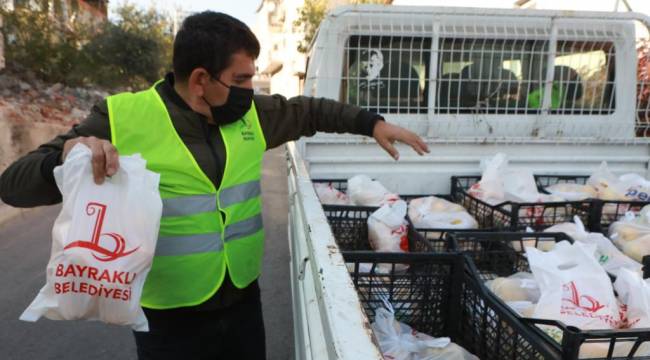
(105, 158)
(386, 134)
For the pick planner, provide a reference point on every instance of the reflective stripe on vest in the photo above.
(188, 205)
(203, 230)
(240, 193)
(189, 244)
(244, 228)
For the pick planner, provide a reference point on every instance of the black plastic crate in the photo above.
(342, 185)
(603, 212)
(500, 253)
(338, 184)
(516, 216)
(493, 254)
(436, 295)
(544, 181)
(349, 225)
(438, 238)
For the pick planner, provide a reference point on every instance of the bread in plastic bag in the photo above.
(103, 244)
(364, 191)
(399, 341)
(637, 249)
(572, 192)
(433, 212)
(517, 287)
(388, 228)
(328, 195)
(607, 254)
(574, 288)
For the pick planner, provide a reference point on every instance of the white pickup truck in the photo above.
(556, 91)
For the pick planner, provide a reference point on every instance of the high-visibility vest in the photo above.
(535, 97)
(203, 230)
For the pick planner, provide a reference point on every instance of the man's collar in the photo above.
(170, 92)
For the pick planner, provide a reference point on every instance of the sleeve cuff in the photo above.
(48, 164)
(366, 121)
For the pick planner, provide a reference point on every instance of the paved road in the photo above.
(25, 249)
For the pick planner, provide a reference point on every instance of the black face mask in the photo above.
(237, 105)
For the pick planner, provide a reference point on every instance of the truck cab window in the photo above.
(583, 78)
(500, 76)
(387, 74)
(488, 75)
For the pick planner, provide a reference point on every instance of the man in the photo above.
(566, 90)
(205, 132)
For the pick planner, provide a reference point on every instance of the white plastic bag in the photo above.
(636, 187)
(638, 248)
(632, 234)
(519, 186)
(490, 187)
(574, 287)
(387, 228)
(432, 212)
(517, 287)
(328, 195)
(399, 341)
(634, 295)
(572, 192)
(367, 192)
(500, 183)
(103, 243)
(631, 227)
(608, 256)
(606, 184)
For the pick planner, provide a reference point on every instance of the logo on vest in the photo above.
(96, 245)
(246, 129)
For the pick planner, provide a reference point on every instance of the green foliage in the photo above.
(310, 16)
(312, 13)
(133, 51)
(35, 42)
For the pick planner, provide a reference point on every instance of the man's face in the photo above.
(240, 74)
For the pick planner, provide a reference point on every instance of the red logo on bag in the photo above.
(403, 240)
(99, 252)
(584, 302)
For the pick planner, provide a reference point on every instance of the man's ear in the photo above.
(197, 80)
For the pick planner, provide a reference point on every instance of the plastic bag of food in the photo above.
(606, 184)
(632, 234)
(490, 187)
(398, 341)
(388, 228)
(572, 192)
(634, 294)
(637, 249)
(364, 191)
(328, 195)
(432, 212)
(500, 183)
(517, 287)
(103, 243)
(607, 254)
(631, 227)
(574, 287)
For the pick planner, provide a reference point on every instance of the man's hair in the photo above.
(208, 40)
